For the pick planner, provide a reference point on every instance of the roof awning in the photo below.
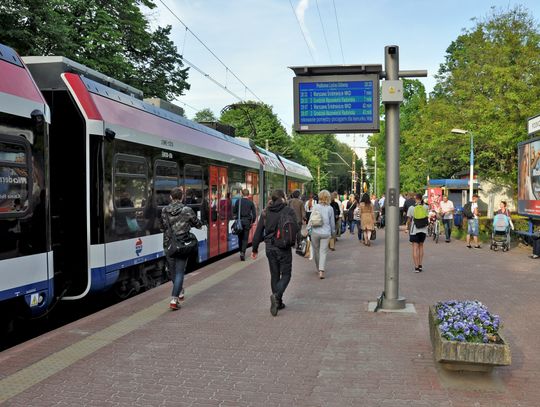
(453, 183)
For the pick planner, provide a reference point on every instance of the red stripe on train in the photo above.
(83, 96)
(17, 81)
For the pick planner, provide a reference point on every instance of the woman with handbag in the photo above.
(176, 223)
(245, 213)
(367, 218)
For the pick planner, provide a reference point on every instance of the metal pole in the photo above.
(391, 299)
(471, 179)
(353, 175)
(376, 193)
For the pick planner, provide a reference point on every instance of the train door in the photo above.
(252, 183)
(220, 209)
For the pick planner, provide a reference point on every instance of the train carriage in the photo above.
(86, 166)
(26, 261)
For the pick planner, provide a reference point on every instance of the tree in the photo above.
(257, 121)
(204, 115)
(489, 84)
(113, 38)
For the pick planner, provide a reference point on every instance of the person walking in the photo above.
(309, 206)
(447, 210)
(177, 219)
(470, 210)
(321, 230)
(336, 206)
(248, 215)
(367, 218)
(417, 225)
(279, 259)
(299, 210)
(351, 206)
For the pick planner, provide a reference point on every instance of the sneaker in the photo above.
(181, 296)
(420, 268)
(174, 304)
(469, 246)
(535, 256)
(242, 257)
(416, 270)
(280, 305)
(477, 247)
(273, 305)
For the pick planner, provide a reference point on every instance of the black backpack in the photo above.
(287, 229)
(467, 212)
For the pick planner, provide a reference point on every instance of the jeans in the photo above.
(243, 240)
(280, 263)
(447, 228)
(178, 267)
(351, 225)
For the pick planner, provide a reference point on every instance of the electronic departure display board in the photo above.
(336, 104)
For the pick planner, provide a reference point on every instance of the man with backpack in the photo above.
(298, 206)
(470, 211)
(278, 227)
(417, 225)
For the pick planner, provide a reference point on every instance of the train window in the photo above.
(165, 178)
(193, 184)
(130, 182)
(15, 176)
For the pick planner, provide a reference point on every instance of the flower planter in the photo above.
(455, 355)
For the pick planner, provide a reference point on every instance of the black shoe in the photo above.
(469, 246)
(273, 305)
(420, 269)
(242, 257)
(280, 305)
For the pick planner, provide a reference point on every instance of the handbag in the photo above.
(308, 254)
(302, 247)
(373, 235)
(181, 245)
(237, 226)
(332, 243)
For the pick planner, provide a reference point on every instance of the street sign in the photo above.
(533, 125)
(336, 103)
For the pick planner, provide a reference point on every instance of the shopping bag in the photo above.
(332, 243)
(301, 247)
(308, 254)
(373, 234)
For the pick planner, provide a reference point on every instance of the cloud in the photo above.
(300, 11)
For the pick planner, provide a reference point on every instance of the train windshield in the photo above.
(15, 174)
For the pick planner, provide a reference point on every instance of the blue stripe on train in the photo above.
(44, 287)
(106, 276)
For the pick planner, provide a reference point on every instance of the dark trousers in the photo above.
(536, 245)
(177, 268)
(243, 240)
(299, 236)
(447, 228)
(280, 262)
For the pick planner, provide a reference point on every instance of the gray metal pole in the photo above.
(391, 299)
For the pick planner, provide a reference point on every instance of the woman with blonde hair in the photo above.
(321, 226)
(367, 218)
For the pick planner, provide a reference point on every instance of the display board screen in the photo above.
(336, 104)
(529, 178)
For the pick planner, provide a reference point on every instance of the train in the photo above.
(87, 164)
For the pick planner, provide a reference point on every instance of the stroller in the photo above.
(500, 236)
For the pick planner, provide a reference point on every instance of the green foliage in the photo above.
(205, 115)
(113, 38)
(257, 121)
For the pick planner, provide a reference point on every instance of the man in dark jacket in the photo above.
(177, 219)
(279, 260)
(298, 207)
(248, 215)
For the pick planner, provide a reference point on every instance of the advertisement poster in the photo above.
(434, 195)
(529, 178)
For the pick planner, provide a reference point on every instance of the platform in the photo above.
(223, 348)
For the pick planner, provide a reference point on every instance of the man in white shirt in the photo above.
(447, 209)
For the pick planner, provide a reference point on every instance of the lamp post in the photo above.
(471, 175)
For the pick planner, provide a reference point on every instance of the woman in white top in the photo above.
(322, 228)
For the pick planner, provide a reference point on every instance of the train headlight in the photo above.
(40, 298)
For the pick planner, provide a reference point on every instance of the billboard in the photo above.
(529, 178)
(336, 103)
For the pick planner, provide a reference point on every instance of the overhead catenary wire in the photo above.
(339, 32)
(208, 76)
(209, 50)
(302, 31)
(324, 31)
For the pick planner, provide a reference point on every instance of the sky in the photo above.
(257, 40)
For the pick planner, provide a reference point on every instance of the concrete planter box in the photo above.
(454, 355)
